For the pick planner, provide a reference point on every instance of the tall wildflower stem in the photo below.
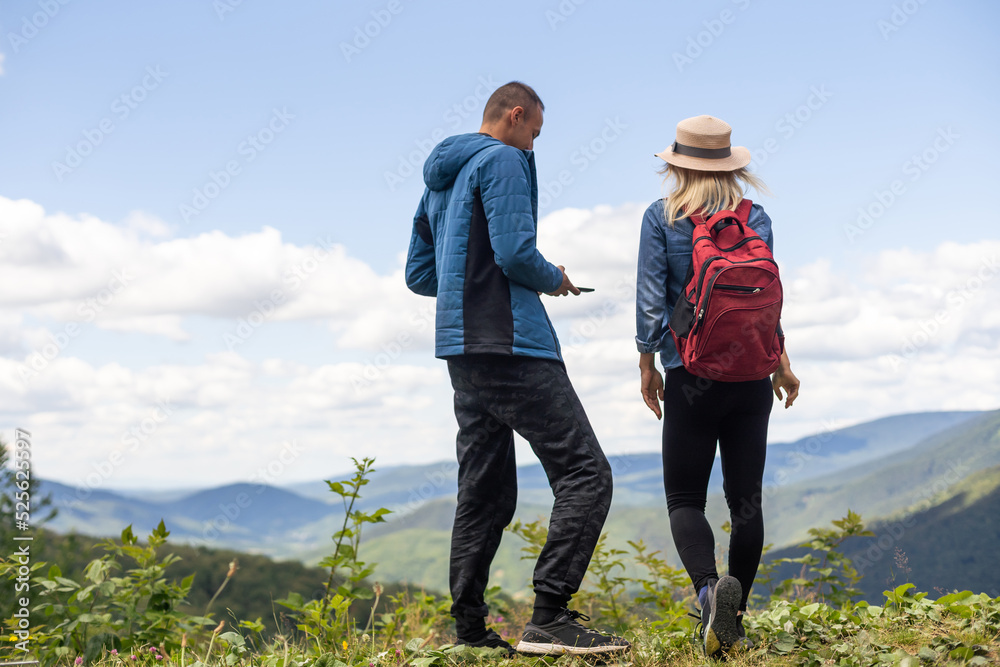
(377, 588)
(229, 575)
(211, 642)
(348, 508)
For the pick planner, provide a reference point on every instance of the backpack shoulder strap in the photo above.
(743, 210)
(741, 215)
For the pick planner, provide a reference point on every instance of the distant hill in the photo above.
(947, 542)
(249, 595)
(639, 477)
(885, 485)
(877, 488)
(249, 517)
(876, 469)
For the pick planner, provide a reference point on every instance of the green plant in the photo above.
(348, 538)
(415, 614)
(109, 611)
(534, 535)
(328, 622)
(764, 581)
(826, 574)
(607, 600)
(17, 489)
(664, 589)
(604, 597)
(124, 605)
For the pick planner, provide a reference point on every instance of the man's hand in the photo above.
(566, 287)
(651, 383)
(785, 379)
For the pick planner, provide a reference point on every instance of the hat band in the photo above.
(710, 153)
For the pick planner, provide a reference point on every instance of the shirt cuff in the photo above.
(646, 348)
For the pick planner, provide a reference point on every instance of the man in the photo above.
(473, 247)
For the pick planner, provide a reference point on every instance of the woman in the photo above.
(707, 175)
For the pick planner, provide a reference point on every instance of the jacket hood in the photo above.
(449, 156)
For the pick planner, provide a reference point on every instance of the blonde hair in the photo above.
(706, 191)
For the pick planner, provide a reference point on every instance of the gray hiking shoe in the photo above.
(566, 635)
(743, 643)
(720, 625)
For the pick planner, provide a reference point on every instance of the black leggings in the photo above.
(697, 414)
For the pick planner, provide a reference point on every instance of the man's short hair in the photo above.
(508, 96)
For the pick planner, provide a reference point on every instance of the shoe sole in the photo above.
(722, 632)
(538, 648)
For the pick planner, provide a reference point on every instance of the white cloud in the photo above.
(147, 224)
(2, 57)
(169, 326)
(218, 421)
(913, 331)
(136, 277)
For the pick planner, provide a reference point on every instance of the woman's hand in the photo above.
(651, 383)
(784, 378)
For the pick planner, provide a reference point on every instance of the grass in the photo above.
(128, 611)
(912, 631)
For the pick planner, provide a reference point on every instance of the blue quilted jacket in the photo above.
(473, 247)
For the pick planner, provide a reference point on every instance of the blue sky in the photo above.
(320, 125)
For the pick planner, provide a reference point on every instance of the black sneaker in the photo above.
(491, 640)
(566, 635)
(719, 622)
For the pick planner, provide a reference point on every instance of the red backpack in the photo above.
(725, 322)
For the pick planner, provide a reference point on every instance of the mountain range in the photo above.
(901, 463)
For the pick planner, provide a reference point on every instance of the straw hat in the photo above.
(703, 145)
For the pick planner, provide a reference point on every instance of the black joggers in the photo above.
(697, 414)
(494, 397)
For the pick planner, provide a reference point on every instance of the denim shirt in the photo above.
(664, 260)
